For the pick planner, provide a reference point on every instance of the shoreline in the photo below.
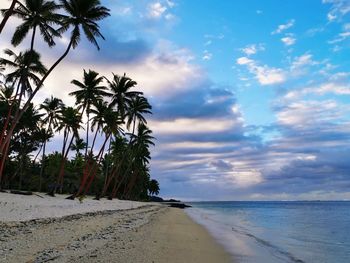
(138, 233)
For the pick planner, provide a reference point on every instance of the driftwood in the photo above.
(17, 192)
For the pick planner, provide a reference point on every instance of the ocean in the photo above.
(274, 232)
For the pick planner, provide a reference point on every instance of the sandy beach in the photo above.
(125, 232)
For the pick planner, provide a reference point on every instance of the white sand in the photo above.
(22, 208)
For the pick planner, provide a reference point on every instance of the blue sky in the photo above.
(251, 98)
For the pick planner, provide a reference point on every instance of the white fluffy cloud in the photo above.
(264, 74)
(252, 49)
(284, 27)
(288, 40)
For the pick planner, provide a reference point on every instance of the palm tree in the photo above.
(139, 155)
(119, 149)
(141, 144)
(52, 108)
(153, 187)
(78, 146)
(82, 14)
(44, 135)
(69, 123)
(27, 66)
(121, 92)
(27, 69)
(138, 106)
(37, 14)
(7, 13)
(112, 122)
(90, 93)
(98, 111)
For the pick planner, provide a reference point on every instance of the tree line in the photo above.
(115, 163)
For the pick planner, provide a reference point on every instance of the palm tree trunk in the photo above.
(2, 162)
(36, 156)
(93, 141)
(87, 132)
(97, 165)
(93, 170)
(110, 178)
(7, 15)
(33, 38)
(42, 167)
(27, 104)
(9, 113)
(107, 162)
(63, 162)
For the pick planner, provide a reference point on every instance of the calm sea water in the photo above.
(273, 232)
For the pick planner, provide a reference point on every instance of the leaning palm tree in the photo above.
(70, 123)
(90, 92)
(139, 153)
(82, 14)
(122, 94)
(140, 145)
(7, 14)
(112, 123)
(37, 15)
(27, 69)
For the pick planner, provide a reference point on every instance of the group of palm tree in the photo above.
(115, 162)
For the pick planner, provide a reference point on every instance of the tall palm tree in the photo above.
(37, 14)
(122, 94)
(90, 93)
(53, 108)
(70, 123)
(27, 68)
(82, 14)
(44, 135)
(141, 144)
(112, 122)
(138, 105)
(119, 149)
(98, 111)
(7, 14)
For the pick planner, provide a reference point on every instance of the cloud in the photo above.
(340, 37)
(303, 114)
(160, 9)
(156, 10)
(303, 60)
(288, 40)
(252, 49)
(284, 27)
(207, 55)
(339, 8)
(264, 74)
(190, 125)
(323, 89)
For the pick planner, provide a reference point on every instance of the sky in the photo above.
(250, 98)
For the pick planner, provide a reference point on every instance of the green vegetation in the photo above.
(116, 162)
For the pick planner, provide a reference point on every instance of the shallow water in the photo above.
(273, 232)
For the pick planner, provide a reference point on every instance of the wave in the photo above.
(275, 250)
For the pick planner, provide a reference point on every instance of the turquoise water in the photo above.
(273, 232)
